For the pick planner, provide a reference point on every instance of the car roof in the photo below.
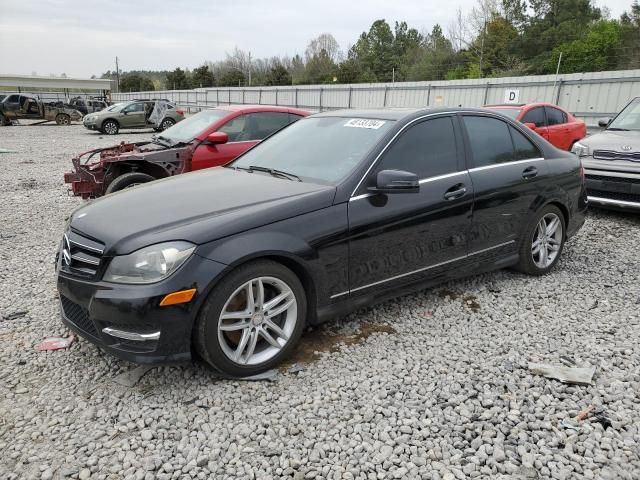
(396, 113)
(522, 105)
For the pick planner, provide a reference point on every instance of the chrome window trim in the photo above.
(421, 181)
(496, 165)
(454, 112)
(422, 269)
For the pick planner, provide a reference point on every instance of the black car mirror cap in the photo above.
(396, 181)
(604, 122)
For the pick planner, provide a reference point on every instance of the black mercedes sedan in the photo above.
(335, 212)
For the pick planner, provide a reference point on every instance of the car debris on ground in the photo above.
(575, 375)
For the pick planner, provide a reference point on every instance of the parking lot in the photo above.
(431, 385)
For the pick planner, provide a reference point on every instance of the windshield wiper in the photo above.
(617, 129)
(162, 141)
(275, 173)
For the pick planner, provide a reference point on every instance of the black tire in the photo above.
(528, 263)
(4, 121)
(166, 123)
(110, 127)
(206, 339)
(128, 180)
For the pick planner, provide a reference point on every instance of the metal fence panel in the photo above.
(588, 95)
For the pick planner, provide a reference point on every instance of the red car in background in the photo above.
(551, 122)
(209, 138)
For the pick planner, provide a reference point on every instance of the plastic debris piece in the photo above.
(295, 368)
(131, 377)
(584, 414)
(14, 315)
(600, 416)
(269, 375)
(55, 343)
(569, 425)
(574, 375)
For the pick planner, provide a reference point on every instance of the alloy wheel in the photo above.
(257, 321)
(547, 240)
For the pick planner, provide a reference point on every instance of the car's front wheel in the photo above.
(543, 242)
(128, 180)
(110, 127)
(252, 320)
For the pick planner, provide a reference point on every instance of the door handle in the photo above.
(529, 172)
(456, 191)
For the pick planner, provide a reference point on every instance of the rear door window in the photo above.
(524, 149)
(536, 116)
(490, 141)
(555, 116)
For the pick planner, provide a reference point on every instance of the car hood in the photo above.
(197, 207)
(614, 141)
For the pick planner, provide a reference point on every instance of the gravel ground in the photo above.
(432, 385)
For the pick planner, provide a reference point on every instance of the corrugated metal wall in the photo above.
(587, 95)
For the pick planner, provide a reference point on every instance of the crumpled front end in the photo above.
(90, 169)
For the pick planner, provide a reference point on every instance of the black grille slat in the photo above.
(78, 315)
(612, 155)
(603, 178)
(627, 197)
(81, 256)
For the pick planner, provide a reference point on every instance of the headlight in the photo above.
(580, 149)
(150, 264)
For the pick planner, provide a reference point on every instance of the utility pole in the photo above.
(117, 75)
(249, 68)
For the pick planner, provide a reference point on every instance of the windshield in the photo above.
(324, 149)
(189, 128)
(117, 107)
(627, 119)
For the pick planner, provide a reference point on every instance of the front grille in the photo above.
(611, 155)
(80, 256)
(78, 315)
(627, 197)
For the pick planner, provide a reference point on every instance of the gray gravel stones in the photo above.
(448, 396)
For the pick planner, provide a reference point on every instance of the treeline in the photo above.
(495, 38)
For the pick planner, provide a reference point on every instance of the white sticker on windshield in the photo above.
(364, 123)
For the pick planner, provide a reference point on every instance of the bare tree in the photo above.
(326, 42)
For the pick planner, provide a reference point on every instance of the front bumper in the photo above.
(612, 189)
(90, 125)
(127, 320)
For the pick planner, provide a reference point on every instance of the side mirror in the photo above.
(396, 181)
(604, 122)
(125, 112)
(216, 138)
(530, 125)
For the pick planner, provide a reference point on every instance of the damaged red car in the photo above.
(209, 138)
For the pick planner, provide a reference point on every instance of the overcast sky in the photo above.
(82, 37)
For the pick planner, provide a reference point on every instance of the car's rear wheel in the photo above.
(63, 119)
(252, 320)
(128, 180)
(543, 242)
(4, 121)
(167, 123)
(110, 127)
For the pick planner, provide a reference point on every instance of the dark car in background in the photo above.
(611, 160)
(333, 213)
(207, 139)
(551, 122)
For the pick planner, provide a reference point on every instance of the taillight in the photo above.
(179, 111)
